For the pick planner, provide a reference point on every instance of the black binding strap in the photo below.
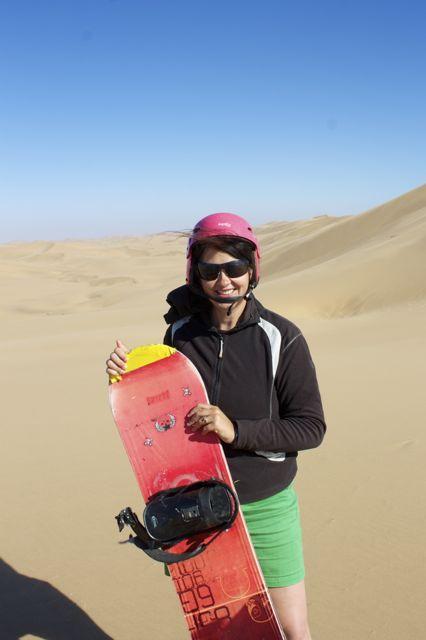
(159, 550)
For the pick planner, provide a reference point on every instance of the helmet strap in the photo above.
(233, 300)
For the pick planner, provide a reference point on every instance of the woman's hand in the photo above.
(116, 363)
(207, 417)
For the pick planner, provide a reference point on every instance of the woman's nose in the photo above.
(222, 277)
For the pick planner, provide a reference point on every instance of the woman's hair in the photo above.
(240, 249)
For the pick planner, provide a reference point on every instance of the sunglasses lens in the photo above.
(233, 269)
(236, 268)
(208, 271)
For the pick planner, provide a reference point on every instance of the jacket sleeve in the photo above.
(300, 424)
(168, 337)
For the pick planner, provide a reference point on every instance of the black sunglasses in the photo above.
(233, 269)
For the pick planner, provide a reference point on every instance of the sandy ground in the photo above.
(356, 286)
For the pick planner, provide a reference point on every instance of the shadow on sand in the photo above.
(31, 606)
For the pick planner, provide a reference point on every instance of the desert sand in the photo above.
(355, 285)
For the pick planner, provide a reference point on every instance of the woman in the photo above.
(265, 404)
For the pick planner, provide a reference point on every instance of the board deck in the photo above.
(222, 591)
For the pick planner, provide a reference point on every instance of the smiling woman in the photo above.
(230, 285)
(224, 272)
(265, 404)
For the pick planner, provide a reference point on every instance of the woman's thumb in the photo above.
(120, 345)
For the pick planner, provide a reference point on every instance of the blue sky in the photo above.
(128, 117)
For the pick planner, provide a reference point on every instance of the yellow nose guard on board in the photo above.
(141, 356)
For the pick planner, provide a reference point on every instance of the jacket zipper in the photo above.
(215, 392)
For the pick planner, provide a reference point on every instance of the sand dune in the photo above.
(341, 267)
(330, 267)
(356, 287)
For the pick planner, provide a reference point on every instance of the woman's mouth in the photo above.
(225, 292)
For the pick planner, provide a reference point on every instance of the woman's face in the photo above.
(223, 286)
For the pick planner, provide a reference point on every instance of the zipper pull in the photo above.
(221, 347)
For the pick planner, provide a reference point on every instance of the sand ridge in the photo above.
(330, 267)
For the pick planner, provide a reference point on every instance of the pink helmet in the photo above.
(222, 224)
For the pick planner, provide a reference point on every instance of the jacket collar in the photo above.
(183, 302)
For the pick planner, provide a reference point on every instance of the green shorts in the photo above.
(274, 527)
(276, 534)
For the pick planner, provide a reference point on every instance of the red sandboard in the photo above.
(222, 591)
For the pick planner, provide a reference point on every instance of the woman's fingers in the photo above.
(112, 372)
(121, 350)
(116, 363)
(195, 418)
(119, 355)
(113, 368)
(209, 418)
(202, 415)
(201, 410)
(119, 360)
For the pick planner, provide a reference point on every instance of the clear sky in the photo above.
(126, 117)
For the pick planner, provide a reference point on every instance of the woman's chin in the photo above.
(224, 304)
